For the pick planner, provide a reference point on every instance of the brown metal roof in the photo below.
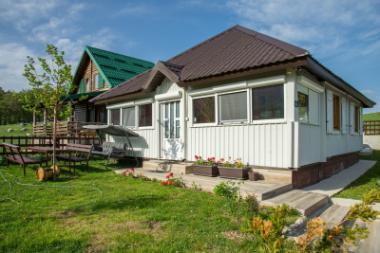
(235, 50)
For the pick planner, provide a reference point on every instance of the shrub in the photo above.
(253, 204)
(361, 211)
(371, 196)
(228, 190)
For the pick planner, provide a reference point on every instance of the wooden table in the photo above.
(45, 150)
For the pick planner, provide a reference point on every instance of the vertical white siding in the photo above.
(310, 142)
(146, 144)
(261, 145)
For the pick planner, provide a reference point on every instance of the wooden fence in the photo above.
(25, 141)
(65, 128)
(371, 127)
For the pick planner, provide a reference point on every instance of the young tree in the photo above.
(48, 84)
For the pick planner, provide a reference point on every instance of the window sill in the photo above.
(195, 125)
(309, 124)
(268, 121)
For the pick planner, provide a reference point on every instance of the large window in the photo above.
(129, 116)
(336, 112)
(357, 117)
(115, 117)
(204, 110)
(268, 102)
(145, 115)
(233, 107)
(303, 107)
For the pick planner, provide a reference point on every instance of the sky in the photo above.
(344, 35)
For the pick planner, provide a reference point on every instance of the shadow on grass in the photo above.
(135, 202)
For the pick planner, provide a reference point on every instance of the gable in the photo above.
(113, 68)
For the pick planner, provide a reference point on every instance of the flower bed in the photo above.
(235, 170)
(204, 167)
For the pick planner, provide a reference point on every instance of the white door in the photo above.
(171, 144)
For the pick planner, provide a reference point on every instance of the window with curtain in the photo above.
(303, 107)
(115, 117)
(145, 115)
(268, 102)
(129, 116)
(336, 112)
(204, 110)
(233, 107)
(357, 117)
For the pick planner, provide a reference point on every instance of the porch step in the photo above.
(307, 203)
(334, 214)
(275, 175)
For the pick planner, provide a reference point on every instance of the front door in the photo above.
(171, 144)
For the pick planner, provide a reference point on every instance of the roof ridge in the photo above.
(123, 55)
(201, 43)
(267, 39)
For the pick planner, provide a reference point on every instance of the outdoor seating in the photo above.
(76, 153)
(14, 155)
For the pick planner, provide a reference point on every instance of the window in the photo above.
(204, 110)
(115, 117)
(303, 107)
(129, 116)
(336, 112)
(357, 116)
(145, 115)
(268, 102)
(233, 107)
(88, 85)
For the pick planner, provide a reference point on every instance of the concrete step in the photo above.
(165, 166)
(275, 175)
(334, 215)
(306, 203)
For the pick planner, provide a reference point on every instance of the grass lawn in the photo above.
(370, 180)
(371, 116)
(16, 130)
(100, 211)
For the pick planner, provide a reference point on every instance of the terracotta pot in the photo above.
(204, 170)
(235, 173)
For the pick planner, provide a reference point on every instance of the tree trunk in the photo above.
(34, 118)
(54, 139)
(45, 116)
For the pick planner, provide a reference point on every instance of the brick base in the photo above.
(313, 173)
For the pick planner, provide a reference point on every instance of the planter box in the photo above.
(204, 170)
(254, 176)
(234, 173)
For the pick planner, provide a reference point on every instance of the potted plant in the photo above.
(203, 167)
(235, 169)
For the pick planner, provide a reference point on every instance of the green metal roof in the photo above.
(113, 67)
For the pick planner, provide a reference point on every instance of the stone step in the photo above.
(334, 215)
(306, 203)
(162, 165)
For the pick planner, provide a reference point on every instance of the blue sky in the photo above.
(344, 35)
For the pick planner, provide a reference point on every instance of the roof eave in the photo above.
(322, 72)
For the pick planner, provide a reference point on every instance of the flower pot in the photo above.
(254, 176)
(235, 173)
(204, 170)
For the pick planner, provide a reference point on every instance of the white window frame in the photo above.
(234, 121)
(274, 120)
(122, 119)
(215, 111)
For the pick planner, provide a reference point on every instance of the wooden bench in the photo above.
(14, 155)
(76, 153)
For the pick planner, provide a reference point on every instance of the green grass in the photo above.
(99, 211)
(371, 116)
(16, 130)
(370, 180)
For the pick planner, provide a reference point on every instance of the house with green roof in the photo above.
(99, 70)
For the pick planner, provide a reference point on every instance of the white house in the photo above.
(242, 94)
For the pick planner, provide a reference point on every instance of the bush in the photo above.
(371, 196)
(228, 190)
(253, 204)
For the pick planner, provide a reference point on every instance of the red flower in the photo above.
(164, 183)
(170, 182)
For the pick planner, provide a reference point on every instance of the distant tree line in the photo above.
(11, 107)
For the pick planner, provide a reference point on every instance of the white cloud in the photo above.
(327, 25)
(22, 12)
(39, 24)
(12, 60)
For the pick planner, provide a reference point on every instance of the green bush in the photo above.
(228, 190)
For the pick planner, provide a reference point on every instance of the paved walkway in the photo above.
(338, 182)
